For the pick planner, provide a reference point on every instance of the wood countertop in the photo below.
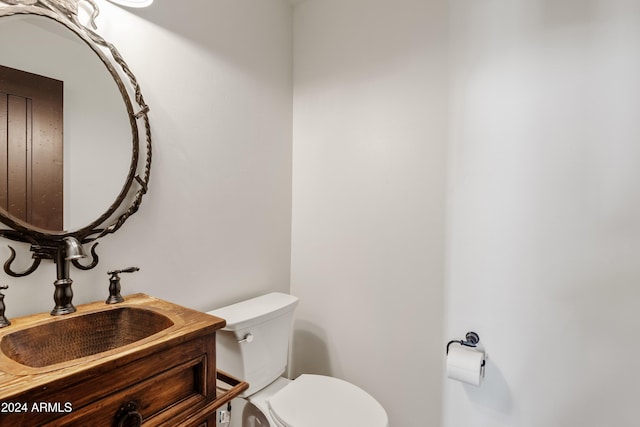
(16, 378)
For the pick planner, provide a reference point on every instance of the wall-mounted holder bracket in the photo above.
(471, 340)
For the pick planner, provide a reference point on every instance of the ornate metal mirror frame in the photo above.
(46, 244)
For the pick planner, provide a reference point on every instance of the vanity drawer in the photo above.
(173, 388)
(176, 381)
(153, 401)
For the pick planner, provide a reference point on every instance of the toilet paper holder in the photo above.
(467, 366)
(471, 340)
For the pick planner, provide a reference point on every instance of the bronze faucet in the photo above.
(3, 319)
(70, 250)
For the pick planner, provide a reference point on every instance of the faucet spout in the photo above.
(73, 249)
(63, 295)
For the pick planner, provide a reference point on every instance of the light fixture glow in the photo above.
(133, 3)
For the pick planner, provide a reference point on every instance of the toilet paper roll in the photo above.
(465, 364)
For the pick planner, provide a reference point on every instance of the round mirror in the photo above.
(95, 154)
(97, 176)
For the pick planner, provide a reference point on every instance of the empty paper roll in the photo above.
(465, 364)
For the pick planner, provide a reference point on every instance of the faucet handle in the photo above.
(114, 284)
(124, 270)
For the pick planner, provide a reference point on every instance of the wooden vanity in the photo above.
(58, 374)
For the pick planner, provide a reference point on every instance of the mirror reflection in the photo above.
(96, 132)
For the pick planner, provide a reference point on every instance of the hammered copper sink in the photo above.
(144, 361)
(76, 337)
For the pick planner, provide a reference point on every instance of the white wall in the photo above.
(538, 117)
(215, 225)
(370, 114)
(544, 231)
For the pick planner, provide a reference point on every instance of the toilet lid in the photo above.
(320, 401)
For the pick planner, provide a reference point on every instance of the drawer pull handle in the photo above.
(129, 416)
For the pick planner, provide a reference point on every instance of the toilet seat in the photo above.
(319, 401)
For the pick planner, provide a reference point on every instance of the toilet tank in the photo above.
(254, 345)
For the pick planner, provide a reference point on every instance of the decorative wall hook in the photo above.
(12, 257)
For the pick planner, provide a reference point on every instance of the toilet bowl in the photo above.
(254, 346)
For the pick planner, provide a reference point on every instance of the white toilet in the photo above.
(254, 346)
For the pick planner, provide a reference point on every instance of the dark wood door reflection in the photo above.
(31, 148)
